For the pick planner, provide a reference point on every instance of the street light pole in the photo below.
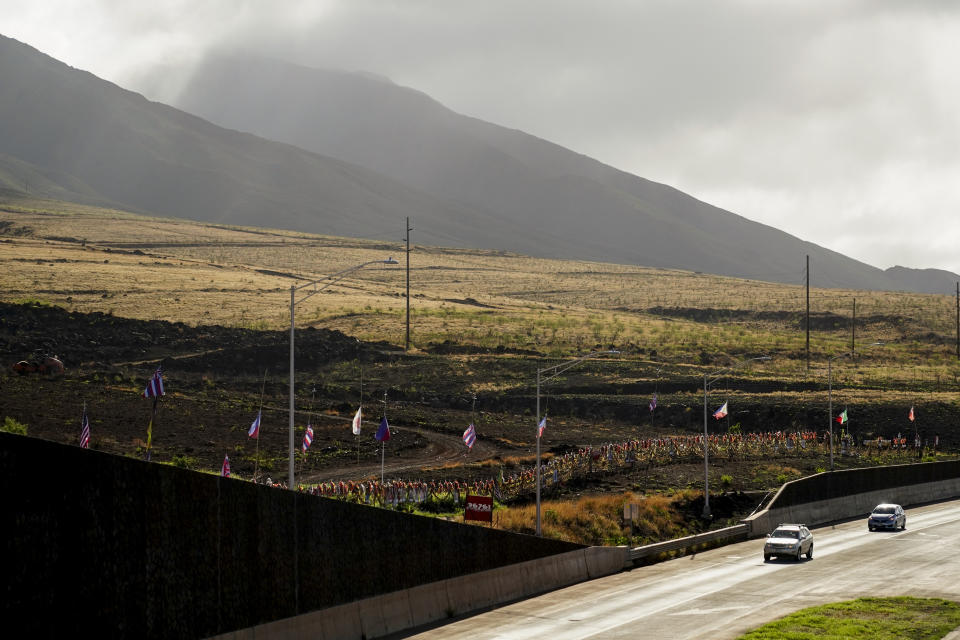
(331, 279)
(557, 370)
(708, 379)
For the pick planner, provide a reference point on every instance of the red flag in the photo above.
(910, 417)
(225, 469)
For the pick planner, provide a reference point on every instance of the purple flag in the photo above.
(383, 433)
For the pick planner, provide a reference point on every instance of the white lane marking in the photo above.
(698, 612)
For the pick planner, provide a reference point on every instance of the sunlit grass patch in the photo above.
(900, 618)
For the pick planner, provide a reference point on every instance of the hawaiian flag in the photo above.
(653, 403)
(85, 430)
(721, 412)
(155, 386)
(357, 419)
(842, 418)
(383, 433)
(470, 436)
(911, 417)
(225, 469)
(254, 431)
(307, 438)
(541, 427)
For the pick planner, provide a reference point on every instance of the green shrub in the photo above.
(12, 426)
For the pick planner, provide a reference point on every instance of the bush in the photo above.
(12, 426)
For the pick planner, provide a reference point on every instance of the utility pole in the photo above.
(808, 312)
(853, 330)
(409, 229)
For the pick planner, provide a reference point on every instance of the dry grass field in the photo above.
(89, 259)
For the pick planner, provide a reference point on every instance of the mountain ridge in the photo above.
(400, 153)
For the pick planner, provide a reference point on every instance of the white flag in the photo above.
(357, 419)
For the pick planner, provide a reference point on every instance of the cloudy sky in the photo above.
(835, 120)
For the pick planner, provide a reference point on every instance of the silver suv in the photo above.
(790, 540)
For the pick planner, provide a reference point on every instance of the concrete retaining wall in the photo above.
(117, 547)
(851, 506)
(724, 536)
(382, 615)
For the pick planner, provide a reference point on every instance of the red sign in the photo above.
(479, 508)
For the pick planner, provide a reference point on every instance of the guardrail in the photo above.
(728, 534)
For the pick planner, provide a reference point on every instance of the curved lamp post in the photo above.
(556, 370)
(830, 392)
(331, 279)
(708, 379)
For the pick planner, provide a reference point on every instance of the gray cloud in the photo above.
(833, 120)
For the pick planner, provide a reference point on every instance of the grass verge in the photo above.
(901, 618)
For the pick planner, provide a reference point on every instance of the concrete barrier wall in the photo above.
(849, 506)
(101, 545)
(838, 484)
(724, 536)
(393, 612)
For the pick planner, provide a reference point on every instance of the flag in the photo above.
(307, 438)
(357, 419)
(154, 386)
(910, 417)
(85, 430)
(254, 431)
(653, 402)
(842, 418)
(225, 469)
(721, 412)
(470, 436)
(541, 427)
(383, 433)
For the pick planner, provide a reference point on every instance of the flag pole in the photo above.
(383, 443)
(153, 416)
(356, 436)
(256, 460)
(303, 457)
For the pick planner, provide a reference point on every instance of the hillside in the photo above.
(569, 205)
(67, 134)
(115, 294)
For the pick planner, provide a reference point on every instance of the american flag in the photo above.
(225, 469)
(154, 386)
(85, 430)
(307, 438)
(470, 436)
(541, 427)
(254, 431)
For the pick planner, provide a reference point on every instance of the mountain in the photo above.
(575, 206)
(353, 155)
(67, 134)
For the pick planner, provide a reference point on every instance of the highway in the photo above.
(722, 593)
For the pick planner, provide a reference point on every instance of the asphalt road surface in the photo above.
(725, 592)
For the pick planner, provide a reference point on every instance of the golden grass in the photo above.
(598, 520)
(83, 258)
